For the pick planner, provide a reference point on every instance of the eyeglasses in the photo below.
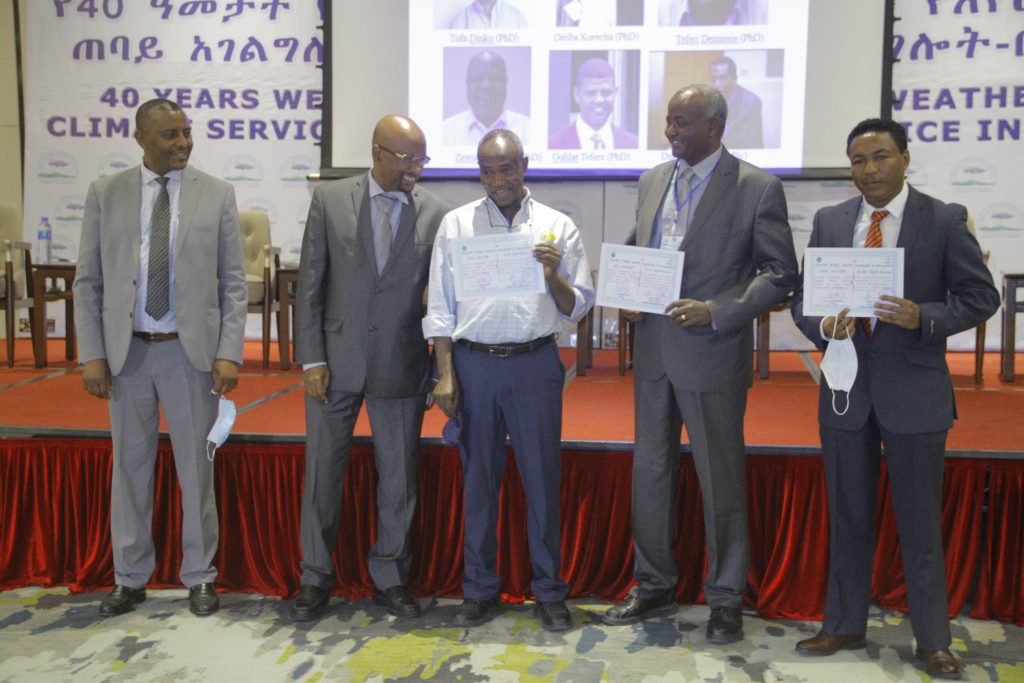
(407, 158)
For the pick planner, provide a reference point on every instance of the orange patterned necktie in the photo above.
(873, 241)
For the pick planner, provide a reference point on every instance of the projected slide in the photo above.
(586, 83)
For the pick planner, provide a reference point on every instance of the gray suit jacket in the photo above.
(367, 328)
(209, 279)
(739, 259)
(902, 374)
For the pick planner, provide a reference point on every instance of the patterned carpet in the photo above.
(51, 635)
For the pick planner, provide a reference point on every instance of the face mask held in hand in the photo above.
(221, 427)
(839, 366)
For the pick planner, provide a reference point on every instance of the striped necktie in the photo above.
(873, 241)
(158, 300)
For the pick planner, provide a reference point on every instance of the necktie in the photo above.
(157, 288)
(598, 142)
(685, 197)
(873, 241)
(382, 231)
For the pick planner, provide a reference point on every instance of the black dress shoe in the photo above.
(474, 612)
(203, 600)
(554, 616)
(725, 625)
(635, 609)
(120, 600)
(824, 643)
(310, 603)
(940, 663)
(398, 600)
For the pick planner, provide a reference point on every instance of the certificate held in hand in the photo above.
(496, 265)
(639, 278)
(850, 277)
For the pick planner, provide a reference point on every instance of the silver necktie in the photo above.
(382, 231)
(158, 300)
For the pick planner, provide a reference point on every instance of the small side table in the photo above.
(41, 272)
(287, 280)
(1011, 307)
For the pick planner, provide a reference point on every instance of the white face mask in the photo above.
(221, 427)
(839, 366)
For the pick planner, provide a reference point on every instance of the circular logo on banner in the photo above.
(261, 204)
(295, 169)
(114, 163)
(973, 172)
(917, 176)
(799, 221)
(57, 167)
(69, 209)
(63, 248)
(243, 169)
(291, 251)
(1000, 220)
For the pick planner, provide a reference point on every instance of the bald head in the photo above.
(486, 86)
(399, 153)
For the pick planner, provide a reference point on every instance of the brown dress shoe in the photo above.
(824, 643)
(939, 663)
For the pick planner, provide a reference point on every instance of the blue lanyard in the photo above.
(693, 190)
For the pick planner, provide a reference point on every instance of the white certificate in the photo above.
(639, 278)
(853, 278)
(496, 265)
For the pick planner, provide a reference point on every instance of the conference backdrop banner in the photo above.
(244, 71)
(958, 87)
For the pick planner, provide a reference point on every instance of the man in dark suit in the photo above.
(362, 273)
(160, 305)
(693, 365)
(594, 92)
(902, 396)
(744, 128)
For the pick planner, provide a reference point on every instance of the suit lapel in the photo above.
(130, 201)
(723, 177)
(364, 219)
(649, 209)
(188, 199)
(848, 225)
(911, 224)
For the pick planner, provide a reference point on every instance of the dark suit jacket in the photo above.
(739, 259)
(209, 278)
(902, 374)
(743, 125)
(367, 328)
(568, 138)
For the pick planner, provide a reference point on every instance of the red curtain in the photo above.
(54, 526)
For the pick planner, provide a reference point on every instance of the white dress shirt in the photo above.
(586, 135)
(890, 224)
(503, 15)
(506, 319)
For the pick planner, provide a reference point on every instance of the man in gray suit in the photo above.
(362, 275)
(693, 365)
(160, 305)
(902, 395)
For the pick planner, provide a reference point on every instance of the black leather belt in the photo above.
(155, 336)
(506, 350)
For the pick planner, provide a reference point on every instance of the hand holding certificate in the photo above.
(639, 278)
(496, 265)
(852, 278)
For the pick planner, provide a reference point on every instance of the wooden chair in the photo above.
(262, 261)
(16, 285)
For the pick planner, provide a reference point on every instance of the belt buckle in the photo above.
(500, 351)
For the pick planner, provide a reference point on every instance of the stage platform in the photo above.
(598, 411)
(55, 478)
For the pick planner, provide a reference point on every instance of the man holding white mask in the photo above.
(902, 395)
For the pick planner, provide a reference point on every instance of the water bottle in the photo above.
(44, 241)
